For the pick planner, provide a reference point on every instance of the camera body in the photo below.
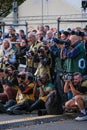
(29, 54)
(22, 87)
(61, 42)
(68, 76)
(6, 63)
(37, 79)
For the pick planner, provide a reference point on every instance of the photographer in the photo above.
(42, 88)
(24, 93)
(7, 55)
(75, 55)
(9, 84)
(79, 90)
(34, 45)
(21, 53)
(44, 62)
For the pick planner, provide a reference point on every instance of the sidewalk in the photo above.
(11, 121)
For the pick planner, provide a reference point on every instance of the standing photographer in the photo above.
(75, 55)
(33, 47)
(79, 90)
(44, 62)
(21, 53)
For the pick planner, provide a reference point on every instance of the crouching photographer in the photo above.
(67, 78)
(79, 90)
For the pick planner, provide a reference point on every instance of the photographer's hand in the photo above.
(5, 59)
(42, 92)
(39, 83)
(35, 90)
(74, 91)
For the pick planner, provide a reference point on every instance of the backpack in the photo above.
(53, 103)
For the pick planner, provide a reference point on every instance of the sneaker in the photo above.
(81, 117)
(19, 112)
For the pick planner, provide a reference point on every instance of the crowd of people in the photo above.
(32, 64)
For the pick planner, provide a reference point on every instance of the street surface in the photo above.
(59, 125)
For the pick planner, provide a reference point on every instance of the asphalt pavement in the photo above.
(58, 125)
(13, 121)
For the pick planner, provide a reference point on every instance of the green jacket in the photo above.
(78, 62)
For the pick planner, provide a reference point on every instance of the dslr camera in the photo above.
(22, 87)
(61, 42)
(37, 79)
(67, 76)
(29, 54)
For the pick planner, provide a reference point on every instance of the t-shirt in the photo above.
(83, 87)
(49, 87)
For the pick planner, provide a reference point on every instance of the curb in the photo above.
(34, 120)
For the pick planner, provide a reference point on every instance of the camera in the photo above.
(37, 79)
(23, 76)
(78, 33)
(7, 82)
(67, 76)
(22, 87)
(6, 71)
(61, 42)
(29, 54)
(45, 61)
(6, 63)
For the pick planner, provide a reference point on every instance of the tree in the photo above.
(6, 6)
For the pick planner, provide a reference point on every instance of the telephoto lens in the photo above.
(42, 112)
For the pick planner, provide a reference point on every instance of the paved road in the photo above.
(59, 125)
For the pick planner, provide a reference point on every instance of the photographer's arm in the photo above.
(35, 91)
(66, 87)
(74, 91)
(73, 53)
(42, 92)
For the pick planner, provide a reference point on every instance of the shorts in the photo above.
(84, 98)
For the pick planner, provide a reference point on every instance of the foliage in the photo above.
(6, 6)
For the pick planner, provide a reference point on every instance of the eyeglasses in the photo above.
(22, 76)
(11, 36)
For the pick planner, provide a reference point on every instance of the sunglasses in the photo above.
(22, 76)
(10, 36)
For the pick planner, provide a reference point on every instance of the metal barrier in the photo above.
(47, 19)
(59, 21)
(14, 25)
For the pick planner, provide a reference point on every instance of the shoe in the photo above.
(2, 109)
(81, 117)
(10, 112)
(19, 112)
